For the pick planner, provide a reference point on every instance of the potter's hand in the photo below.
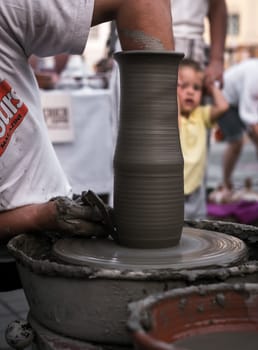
(77, 217)
(214, 72)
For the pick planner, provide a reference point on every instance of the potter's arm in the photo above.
(61, 215)
(142, 24)
(25, 219)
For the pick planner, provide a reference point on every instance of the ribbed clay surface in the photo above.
(148, 163)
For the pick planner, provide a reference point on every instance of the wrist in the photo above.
(216, 58)
(46, 216)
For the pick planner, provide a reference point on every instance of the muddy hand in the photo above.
(105, 211)
(75, 218)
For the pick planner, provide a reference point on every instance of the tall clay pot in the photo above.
(148, 163)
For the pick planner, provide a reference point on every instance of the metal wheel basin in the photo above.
(90, 303)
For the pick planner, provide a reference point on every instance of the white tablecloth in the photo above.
(88, 159)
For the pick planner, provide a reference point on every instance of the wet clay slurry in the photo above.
(148, 163)
(222, 341)
(206, 317)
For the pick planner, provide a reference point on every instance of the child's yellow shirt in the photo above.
(193, 139)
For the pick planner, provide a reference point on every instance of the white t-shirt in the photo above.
(188, 18)
(29, 169)
(188, 27)
(241, 89)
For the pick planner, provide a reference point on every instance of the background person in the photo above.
(241, 91)
(35, 195)
(194, 120)
(188, 27)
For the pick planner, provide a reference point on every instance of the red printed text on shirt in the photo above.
(12, 113)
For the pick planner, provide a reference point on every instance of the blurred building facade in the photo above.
(242, 36)
(242, 31)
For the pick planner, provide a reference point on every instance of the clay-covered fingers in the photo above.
(70, 209)
(77, 219)
(82, 228)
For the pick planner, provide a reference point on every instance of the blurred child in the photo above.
(194, 120)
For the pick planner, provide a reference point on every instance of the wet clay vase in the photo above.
(148, 163)
(216, 316)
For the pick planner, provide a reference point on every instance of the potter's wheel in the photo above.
(197, 248)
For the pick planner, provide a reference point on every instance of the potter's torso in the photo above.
(29, 169)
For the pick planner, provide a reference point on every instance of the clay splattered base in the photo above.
(197, 249)
(45, 339)
(237, 340)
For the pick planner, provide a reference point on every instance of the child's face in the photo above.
(189, 89)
